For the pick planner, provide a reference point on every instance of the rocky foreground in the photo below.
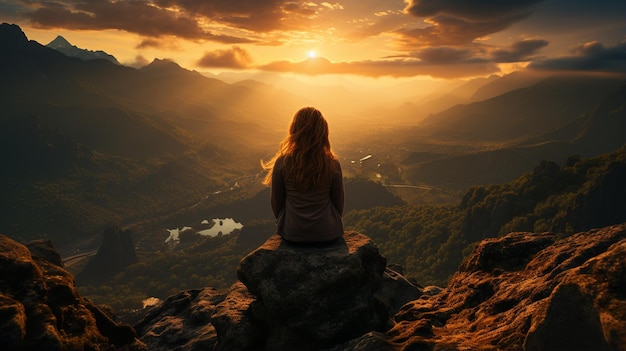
(524, 291)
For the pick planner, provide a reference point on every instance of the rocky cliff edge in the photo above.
(523, 291)
(40, 308)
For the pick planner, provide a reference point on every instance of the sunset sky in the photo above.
(371, 38)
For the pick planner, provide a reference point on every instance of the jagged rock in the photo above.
(116, 253)
(182, 321)
(431, 290)
(40, 309)
(316, 296)
(44, 249)
(568, 321)
(524, 291)
(232, 318)
(296, 298)
(396, 290)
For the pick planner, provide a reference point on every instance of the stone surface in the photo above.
(297, 298)
(232, 318)
(182, 321)
(44, 249)
(521, 292)
(40, 309)
(316, 296)
(116, 252)
(524, 291)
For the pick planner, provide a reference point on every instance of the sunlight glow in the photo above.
(312, 54)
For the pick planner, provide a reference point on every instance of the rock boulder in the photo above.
(116, 253)
(290, 297)
(316, 295)
(40, 308)
(522, 292)
(182, 321)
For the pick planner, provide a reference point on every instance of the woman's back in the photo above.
(313, 215)
(307, 187)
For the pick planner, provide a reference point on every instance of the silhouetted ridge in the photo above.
(11, 36)
(521, 113)
(123, 142)
(62, 45)
(605, 128)
(164, 67)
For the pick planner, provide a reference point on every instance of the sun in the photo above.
(311, 54)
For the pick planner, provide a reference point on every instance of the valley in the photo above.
(88, 145)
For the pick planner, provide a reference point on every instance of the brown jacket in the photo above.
(307, 216)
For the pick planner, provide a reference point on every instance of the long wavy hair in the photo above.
(308, 160)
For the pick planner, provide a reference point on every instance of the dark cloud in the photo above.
(519, 51)
(149, 43)
(234, 57)
(588, 57)
(458, 22)
(10, 11)
(141, 17)
(446, 30)
(404, 67)
(477, 10)
(444, 55)
(132, 16)
(257, 15)
(442, 38)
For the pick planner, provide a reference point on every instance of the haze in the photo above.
(411, 38)
(369, 66)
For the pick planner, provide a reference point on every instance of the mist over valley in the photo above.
(431, 166)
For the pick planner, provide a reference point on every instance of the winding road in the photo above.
(74, 259)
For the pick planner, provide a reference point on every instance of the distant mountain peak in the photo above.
(60, 42)
(62, 45)
(162, 64)
(167, 67)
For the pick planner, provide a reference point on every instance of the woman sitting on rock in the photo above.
(306, 182)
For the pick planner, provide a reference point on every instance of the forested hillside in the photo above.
(88, 143)
(429, 241)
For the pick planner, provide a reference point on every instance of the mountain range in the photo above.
(62, 45)
(90, 142)
(85, 143)
(497, 139)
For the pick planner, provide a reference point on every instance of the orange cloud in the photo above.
(141, 17)
(138, 62)
(588, 57)
(400, 67)
(257, 16)
(234, 57)
(456, 22)
(519, 51)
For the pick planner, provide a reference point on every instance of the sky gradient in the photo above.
(371, 38)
